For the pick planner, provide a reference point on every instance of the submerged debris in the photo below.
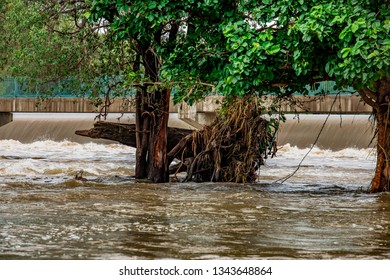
(79, 176)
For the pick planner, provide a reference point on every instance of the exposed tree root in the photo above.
(232, 148)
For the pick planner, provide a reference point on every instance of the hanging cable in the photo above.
(284, 179)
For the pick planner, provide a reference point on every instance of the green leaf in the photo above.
(345, 32)
(266, 45)
(360, 23)
(297, 54)
(87, 15)
(229, 79)
(274, 49)
(386, 41)
(345, 52)
(354, 27)
(132, 74)
(306, 37)
(327, 67)
(359, 44)
(263, 36)
(373, 54)
(356, 49)
(151, 17)
(152, 5)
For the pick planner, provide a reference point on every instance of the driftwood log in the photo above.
(125, 133)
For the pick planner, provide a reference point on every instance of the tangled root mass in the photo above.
(233, 147)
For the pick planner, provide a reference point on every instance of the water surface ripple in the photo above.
(321, 213)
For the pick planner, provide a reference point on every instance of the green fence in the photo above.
(329, 87)
(11, 87)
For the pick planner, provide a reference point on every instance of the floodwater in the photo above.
(322, 212)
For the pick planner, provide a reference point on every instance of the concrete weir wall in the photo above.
(5, 117)
(66, 105)
(203, 113)
(197, 115)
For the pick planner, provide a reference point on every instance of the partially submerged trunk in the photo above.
(381, 181)
(152, 113)
(158, 167)
(380, 101)
(141, 128)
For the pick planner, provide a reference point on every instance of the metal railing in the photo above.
(11, 87)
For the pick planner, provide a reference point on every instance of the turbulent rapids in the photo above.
(52, 162)
(29, 133)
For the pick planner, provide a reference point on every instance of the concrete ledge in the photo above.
(5, 118)
(67, 105)
(204, 112)
(342, 104)
(201, 113)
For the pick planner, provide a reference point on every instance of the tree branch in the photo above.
(161, 83)
(367, 95)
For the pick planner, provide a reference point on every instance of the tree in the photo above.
(156, 29)
(259, 47)
(346, 41)
(50, 45)
(281, 46)
(233, 47)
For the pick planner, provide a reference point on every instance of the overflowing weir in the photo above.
(334, 132)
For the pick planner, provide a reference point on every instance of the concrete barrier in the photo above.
(197, 115)
(203, 113)
(67, 105)
(5, 117)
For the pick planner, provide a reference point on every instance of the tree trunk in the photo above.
(152, 150)
(142, 136)
(158, 170)
(141, 128)
(380, 101)
(381, 181)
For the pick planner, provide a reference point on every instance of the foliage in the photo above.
(257, 47)
(230, 47)
(185, 31)
(356, 33)
(281, 46)
(49, 45)
(238, 47)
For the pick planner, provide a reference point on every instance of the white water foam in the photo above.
(55, 159)
(51, 158)
(321, 166)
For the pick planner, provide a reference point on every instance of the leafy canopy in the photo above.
(47, 41)
(238, 46)
(273, 43)
(254, 47)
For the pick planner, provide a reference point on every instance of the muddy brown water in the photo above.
(322, 212)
